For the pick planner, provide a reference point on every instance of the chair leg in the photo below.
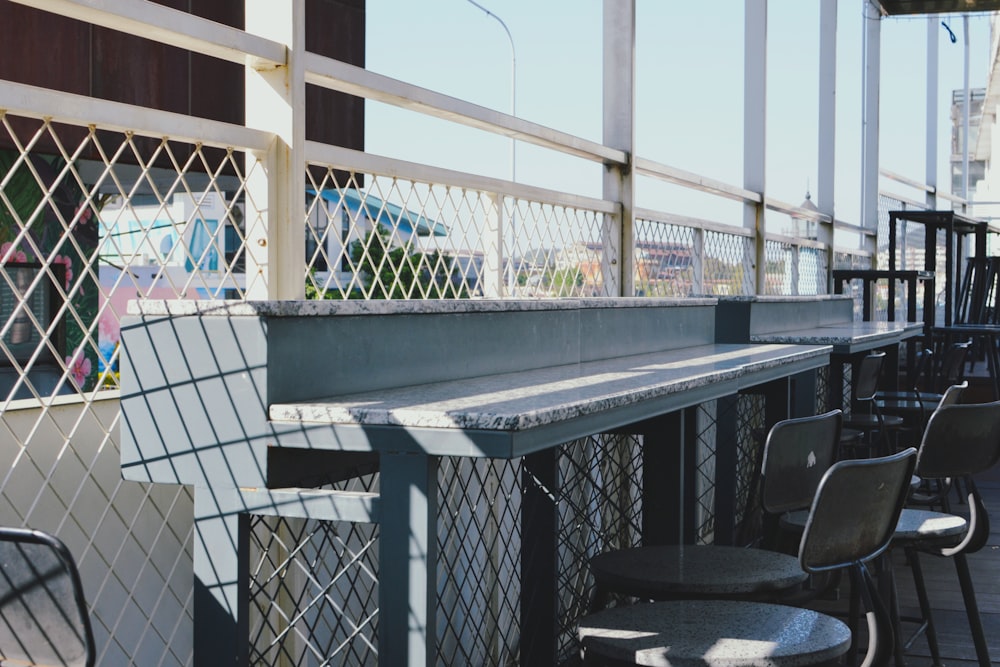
(972, 609)
(925, 607)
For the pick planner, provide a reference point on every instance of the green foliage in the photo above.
(565, 281)
(388, 272)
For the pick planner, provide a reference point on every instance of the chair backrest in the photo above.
(960, 440)
(953, 394)
(797, 454)
(952, 369)
(855, 512)
(921, 370)
(43, 614)
(867, 375)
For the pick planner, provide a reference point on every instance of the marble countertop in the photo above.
(307, 308)
(524, 400)
(853, 333)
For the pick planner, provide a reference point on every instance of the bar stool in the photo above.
(797, 452)
(851, 521)
(871, 421)
(959, 442)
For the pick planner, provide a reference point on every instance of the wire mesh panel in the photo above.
(667, 261)
(377, 237)
(313, 592)
(479, 574)
(600, 508)
(90, 218)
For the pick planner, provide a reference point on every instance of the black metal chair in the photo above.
(852, 519)
(915, 405)
(43, 613)
(797, 452)
(959, 442)
(866, 415)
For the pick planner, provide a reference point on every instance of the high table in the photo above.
(235, 398)
(814, 320)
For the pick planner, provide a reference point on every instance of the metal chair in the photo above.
(873, 425)
(797, 452)
(915, 405)
(43, 614)
(959, 442)
(851, 521)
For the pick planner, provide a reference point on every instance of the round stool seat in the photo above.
(664, 572)
(723, 633)
(917, 524)
(913, 524)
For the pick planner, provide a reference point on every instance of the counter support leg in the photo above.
(538, 559)
(407, 560)
(221, 583)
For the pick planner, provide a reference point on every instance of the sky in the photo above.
(689, 89)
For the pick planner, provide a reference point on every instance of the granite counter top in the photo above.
(533, 398)
(310, 308)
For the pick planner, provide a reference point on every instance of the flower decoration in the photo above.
(68, 263)
(8, 253)
(79, 368)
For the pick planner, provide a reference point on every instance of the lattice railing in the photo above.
(374, 237)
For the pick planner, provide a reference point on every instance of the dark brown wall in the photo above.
(44, 49)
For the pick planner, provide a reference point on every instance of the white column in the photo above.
(827, 153)
(870, 121)
(755, 126)
(931, 131)
(275, 102)
(619, 132)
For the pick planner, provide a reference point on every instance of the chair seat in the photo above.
(723, 633)
(671, 571)
(913, 524)
(863, 421)
(917, 524)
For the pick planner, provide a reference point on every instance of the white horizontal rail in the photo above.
(171, 26)
(795, 241)
(34, 102)
(688, 221)
(891, 175)
(796, 211)
(337, 157)
(952, 198)
(353, 80)
(840, 225)
(904, 200)
(856, 252)
(689, 179)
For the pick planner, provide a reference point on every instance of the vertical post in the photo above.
(538, 559)
(407, 559)
(870, 122)
(619, 132)
(726, 462)
(827, 153)
(754, 128)
(491, 279)
(931, 131)
(275, 102)
(698, 261)
(221, 583)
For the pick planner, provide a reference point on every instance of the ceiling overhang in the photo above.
(900, 7)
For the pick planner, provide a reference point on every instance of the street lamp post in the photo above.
(513, 142)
